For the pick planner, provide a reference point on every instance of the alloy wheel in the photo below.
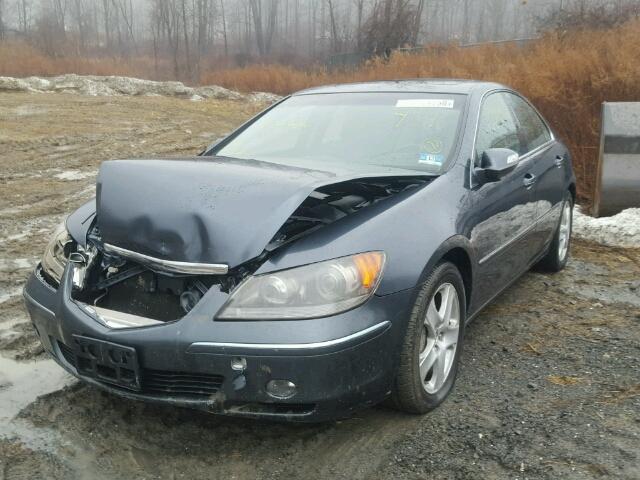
(565, 231)
(439, 338)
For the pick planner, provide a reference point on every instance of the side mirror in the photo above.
(497, 162)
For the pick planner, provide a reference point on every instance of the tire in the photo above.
(558, 254)
(413, 393)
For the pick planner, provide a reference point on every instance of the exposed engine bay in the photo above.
(112, 282)
(330, 203)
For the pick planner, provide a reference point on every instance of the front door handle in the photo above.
(559, 161)
(529, 180)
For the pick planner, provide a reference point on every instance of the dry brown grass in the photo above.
(566, 76)
(18, 59)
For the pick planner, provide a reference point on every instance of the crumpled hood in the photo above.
(206, 209)
(202, 209)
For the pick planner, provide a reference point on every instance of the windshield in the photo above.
(414, 131)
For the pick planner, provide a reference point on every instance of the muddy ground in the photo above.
(549, 386)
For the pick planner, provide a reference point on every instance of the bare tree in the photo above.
(202, 16)
(264, 31)
(335, 39)
(415, 31)
(125, 13)
(2, 25)
(389, 26)
(60, 11)
(24, 15)
(224, 29)
(185, 32)
(165, 17)
(465, 22)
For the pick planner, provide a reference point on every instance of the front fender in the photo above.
(456, 242)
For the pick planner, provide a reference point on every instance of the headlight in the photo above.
(55, 256)
(312, 291)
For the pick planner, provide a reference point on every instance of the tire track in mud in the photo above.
(141, 439)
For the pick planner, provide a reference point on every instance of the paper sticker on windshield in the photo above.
(430, 159)
(425, 103)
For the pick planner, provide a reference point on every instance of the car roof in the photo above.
(414, 86)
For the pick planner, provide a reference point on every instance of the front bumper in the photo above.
(339, 363)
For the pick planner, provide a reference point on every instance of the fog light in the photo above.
(281, 389)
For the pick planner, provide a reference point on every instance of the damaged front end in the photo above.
(110, 272)
(124, 287)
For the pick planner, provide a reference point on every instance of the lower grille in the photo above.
(162, 382)
(180, 384)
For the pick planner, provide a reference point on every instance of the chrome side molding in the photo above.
(160, 265)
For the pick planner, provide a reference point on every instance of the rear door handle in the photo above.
(559, 161)
(529, 180)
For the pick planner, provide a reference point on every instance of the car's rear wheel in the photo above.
(558, 254)
(433, 342)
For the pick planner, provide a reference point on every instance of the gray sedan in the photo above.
(325, 256)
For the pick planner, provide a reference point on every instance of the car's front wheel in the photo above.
(433, 342)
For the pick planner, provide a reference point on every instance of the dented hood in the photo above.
(202, 209)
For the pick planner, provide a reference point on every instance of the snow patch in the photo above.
(71, 175)
(621, 230)
(98, 86)
(9, 295)
(263, 97)
(14, 264)
(28, 110)
(12, 238)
